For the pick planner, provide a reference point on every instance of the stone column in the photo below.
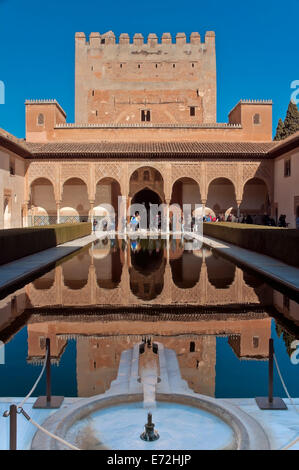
(167, 215)
(26, 214)
(122, 216)
(238, 207)
(203, 201)
(58, 204)
(91, 215)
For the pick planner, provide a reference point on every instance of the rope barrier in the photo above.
(294, 441)
(38, 426)
(20, 405)
(20, 410)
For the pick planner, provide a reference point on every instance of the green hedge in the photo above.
(18, 242)
(280, 243)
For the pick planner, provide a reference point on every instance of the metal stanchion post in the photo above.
(13, 427)
(48, 401)
(270, 402)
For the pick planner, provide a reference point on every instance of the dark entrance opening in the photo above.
(146, 197)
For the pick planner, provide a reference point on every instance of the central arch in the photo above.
(146, 197)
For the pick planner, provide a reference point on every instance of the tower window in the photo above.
(256, 119)
(192, 110)
(156, 66)
(287, 167)
(255, 341)
(92, 93)
(121, 66)
(146, 175)
(102, 41)
(192, 346)
(41, 119)
(193, 66)
(139, 66)
(173, 66)
(145, 115)
(12, 167)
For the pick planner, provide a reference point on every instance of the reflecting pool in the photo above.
(94, 305)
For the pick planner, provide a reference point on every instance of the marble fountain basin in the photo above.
(184, 422)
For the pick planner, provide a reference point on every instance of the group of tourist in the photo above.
(192, 222)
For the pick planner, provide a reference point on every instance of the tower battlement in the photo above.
(109, 38)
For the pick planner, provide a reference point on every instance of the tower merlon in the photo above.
(180, 38)
(94, 39)
(152, 39)
(195, 38)
(210, 37)
(124, 38)
(138, 39)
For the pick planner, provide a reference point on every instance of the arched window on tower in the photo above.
(40, 119)
(145, 115)
(257, 119)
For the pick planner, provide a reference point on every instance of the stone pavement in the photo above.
(270, 267)
(20, 269)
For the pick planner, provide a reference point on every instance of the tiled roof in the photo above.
(12, 143)
(119, 149)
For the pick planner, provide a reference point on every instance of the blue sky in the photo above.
(256, 46)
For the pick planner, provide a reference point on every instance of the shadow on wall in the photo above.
(17, 243)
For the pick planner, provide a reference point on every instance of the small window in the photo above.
(287, 167)
(193, 66)
(92, 93)
(102, 41)
(256, 119)
(156, 66)
(92, 68)
(192, 110)
(135, 176)
(41, 119)
(146, 175)
(139, 66)
(173, 66)
(94, 364)
(96, 112)
(145, 115)
(192, 346)
(255, 341)
(12, 167)
(121, 66)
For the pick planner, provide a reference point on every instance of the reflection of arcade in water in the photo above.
(110, 296)
(153, 271)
